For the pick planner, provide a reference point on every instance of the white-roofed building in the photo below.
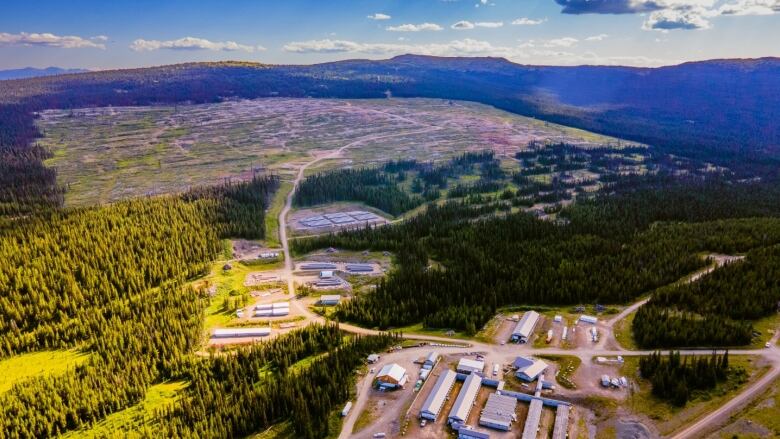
(525, 327)
(467, 365)
(391, 376)
(330, 299)
(241, 332)
(499, 412)
(435, 400)
(528, 368)
(465, 400)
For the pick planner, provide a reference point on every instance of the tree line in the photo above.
(676, 377)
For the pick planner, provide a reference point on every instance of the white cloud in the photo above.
(665, 15)
(379, 16)
(750, 7)
(414, 27)
(524, 21)
(50, 40)
(599, 37)
(466, 25)
(463, 25)
(192, 43)
(669, 19)
(561, 42)
(540, 52)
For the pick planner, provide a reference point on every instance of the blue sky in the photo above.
(117, 34)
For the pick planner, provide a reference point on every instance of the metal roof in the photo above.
(392, 370)
(561, 422)
(533, 370)
(470, 365)
(432, 357)
(499, 411)
(465, 400)
(526, 325)
(435, 400)
(241, 332)
(532, 421)
(468, 433)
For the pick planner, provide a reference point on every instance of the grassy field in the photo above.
(20, 367)
(106, 154)
(623, 333)
(272, 215)
(133, 418)
(760, 419)
(668, 417)
(567, 367)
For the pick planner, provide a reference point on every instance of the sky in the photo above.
(100, 34)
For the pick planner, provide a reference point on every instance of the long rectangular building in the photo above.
(465, 401)
(561, 422)
(241, 332)
(499, 412)
(525, 327)
(435, 400)
(531, 428)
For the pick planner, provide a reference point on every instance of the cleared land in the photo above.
(106, 154)
(20, 367)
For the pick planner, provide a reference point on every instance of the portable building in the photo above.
(263, 312)
(330, 299)
(326, 274)
(465, 400)
(557, 319)
(467, 432)
(565, 334)
(435, 400)
(424, 374)
(589, 319)
(346, 409)
(241, 332)
(431, 359)
(605, 381)
(278, 312)
(467, 365)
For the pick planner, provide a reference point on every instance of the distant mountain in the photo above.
(32, 72)
(712, 109)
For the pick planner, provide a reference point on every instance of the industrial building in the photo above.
(467, 432)
(465, 400)
(499, 412)
(391, 376)
(435, 401)
(317, 266)
(241, 332)
(531, 428)
(528, 369)
(525, 327)
(359, 268)
(431, 359)
(561, 421)
(326, 274)
(589, 319)
(332, 282)
(467, 365)
(330, 299)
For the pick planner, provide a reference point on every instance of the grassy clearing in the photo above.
(668, 417)
(764, 411)
(272, 214)
(567, 367)
(21, 367)
(488, 332)
(278, 431)
(418, 329)
(367, 416)
(132, 418)
(623, 333)
(227, 283)
(766, 327)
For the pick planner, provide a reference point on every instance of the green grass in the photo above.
(418, 329)
(21, 367)
(272, 214)
(668, 417)
(766, 326)
(765, 410)
(227, 283)
(278, 431)
(624, 334)
(133, 418)
(567, 367)
(366, 417)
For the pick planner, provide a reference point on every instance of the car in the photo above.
(767, 345)
(423, 422)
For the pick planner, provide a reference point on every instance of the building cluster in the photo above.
(276, 309)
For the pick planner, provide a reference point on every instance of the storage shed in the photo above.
(525, 327)
(467, 365)
(391, 376)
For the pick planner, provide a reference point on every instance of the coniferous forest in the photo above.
(639, 235)
(675, 377)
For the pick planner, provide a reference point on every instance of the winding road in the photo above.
(697, 429)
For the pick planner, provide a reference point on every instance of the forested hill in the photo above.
(720, 106)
